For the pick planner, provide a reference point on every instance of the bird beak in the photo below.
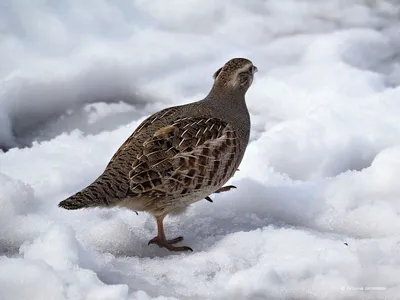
(255, 69)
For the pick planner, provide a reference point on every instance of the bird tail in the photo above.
(82, 199)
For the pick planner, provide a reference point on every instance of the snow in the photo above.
(316, 214)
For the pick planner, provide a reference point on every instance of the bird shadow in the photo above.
(252, 206)
(201, 232)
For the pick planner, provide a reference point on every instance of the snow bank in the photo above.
(316, 212)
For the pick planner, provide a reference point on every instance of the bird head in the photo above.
(237, 74)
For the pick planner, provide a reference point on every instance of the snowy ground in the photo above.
(317, 211)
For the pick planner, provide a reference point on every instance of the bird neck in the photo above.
(221, 93)
(228, 102)
(232, 109)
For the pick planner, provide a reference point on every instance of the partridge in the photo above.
(179, 155)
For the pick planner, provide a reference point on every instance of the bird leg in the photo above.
(161, 240)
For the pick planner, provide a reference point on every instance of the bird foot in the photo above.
(163, 243)
(225, 189)
(221, 190)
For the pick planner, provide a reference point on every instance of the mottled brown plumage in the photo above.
(179, 155)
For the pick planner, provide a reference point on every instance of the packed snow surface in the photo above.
(316, 214)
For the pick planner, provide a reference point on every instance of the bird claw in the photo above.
(225, 189)
(184, 248)
(175, 240)
(209, 199)
(168, 244)
(221, 190)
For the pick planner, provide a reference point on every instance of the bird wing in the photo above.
(184, 157)
(165, 113)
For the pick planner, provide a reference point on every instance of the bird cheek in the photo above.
(245, 81)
